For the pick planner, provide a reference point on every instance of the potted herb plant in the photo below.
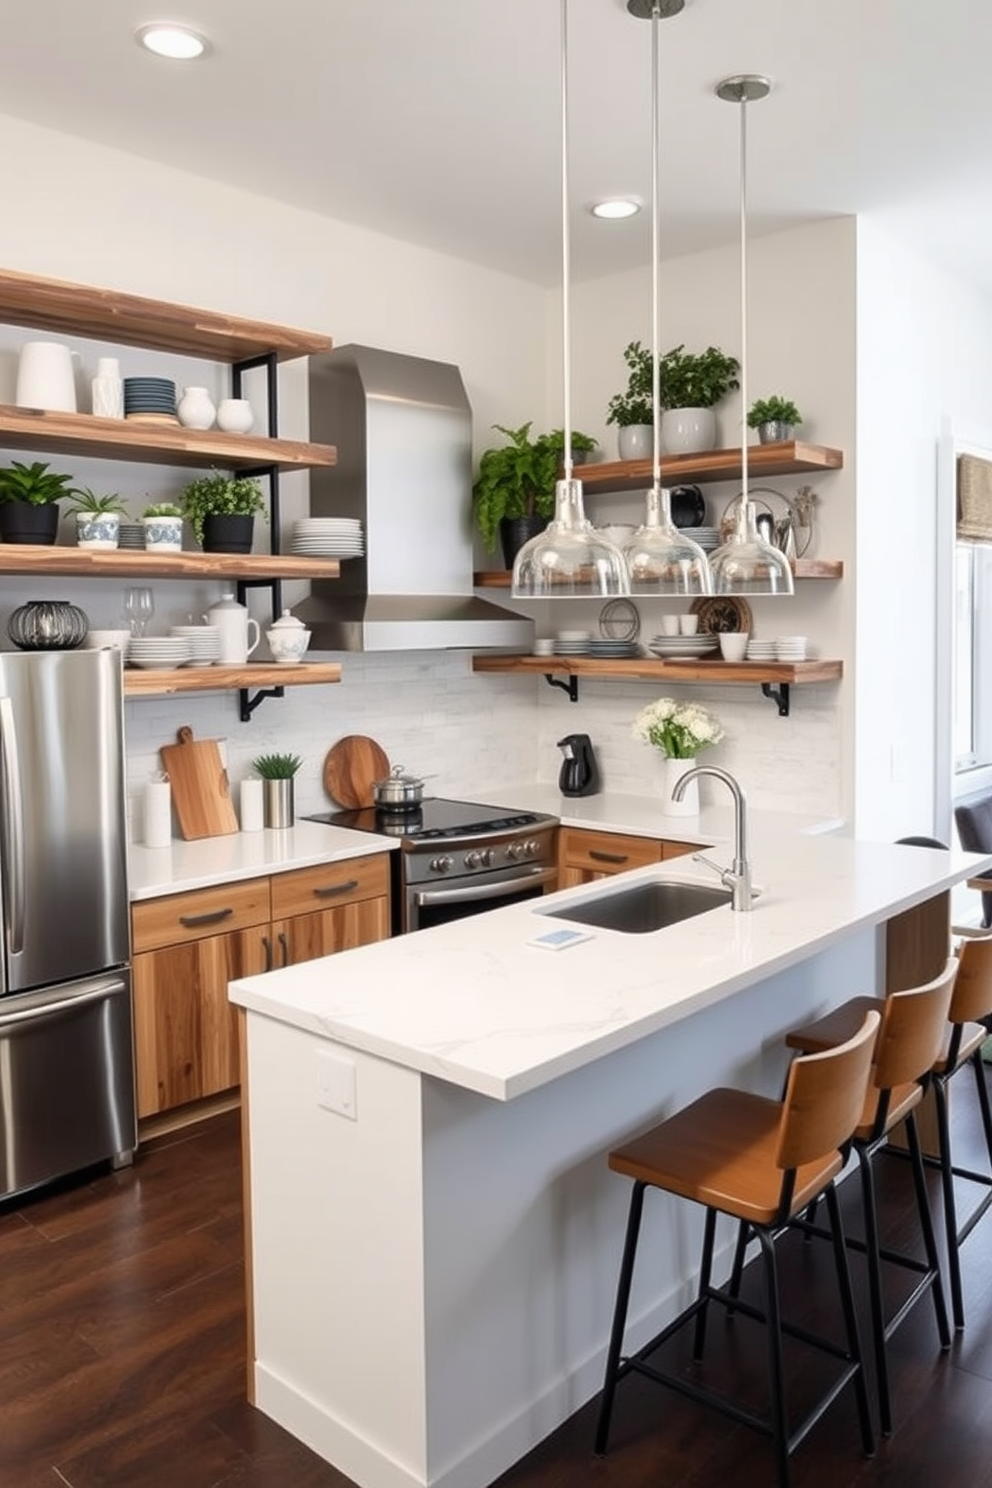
(632, 411)
(278, 772)
(29, 496)
(513, 495)
(691, 384)
(98, 519)
(221, 509)
(774, 418)
(163, 526)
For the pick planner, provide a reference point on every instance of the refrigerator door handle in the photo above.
(13, 828)
(99, 992)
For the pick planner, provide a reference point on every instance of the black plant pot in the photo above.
(515, 531)
(223, 534)
(22, 522)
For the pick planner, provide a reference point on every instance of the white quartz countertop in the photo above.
(154, 871)
(473, 1003)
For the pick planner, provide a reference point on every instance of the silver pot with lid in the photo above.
(399, 791)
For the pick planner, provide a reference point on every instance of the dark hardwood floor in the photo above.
(122, 1356)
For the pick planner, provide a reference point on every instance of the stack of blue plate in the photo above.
(150, 399)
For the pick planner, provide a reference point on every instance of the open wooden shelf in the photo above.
(160, 683)
(131, 320)
(651, 669)
(802, 568)
(134, 563)
(155, 444)
(792, 457)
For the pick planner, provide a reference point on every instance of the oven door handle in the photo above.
(504, 889)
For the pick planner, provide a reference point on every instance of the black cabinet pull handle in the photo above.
(285, 948)
(268, 952)
(599, 856)
(213, 918)
(334, 889)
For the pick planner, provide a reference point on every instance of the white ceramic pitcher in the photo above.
(235, 626)
(46, 377)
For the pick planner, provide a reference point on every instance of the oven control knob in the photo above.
(516, 851)
(532, 848)
(482, 858)
(442, 865)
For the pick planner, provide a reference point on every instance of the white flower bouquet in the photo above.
(679, 730)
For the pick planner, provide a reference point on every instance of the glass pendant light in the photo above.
(661, 559)
(745, 564)
(570, 559)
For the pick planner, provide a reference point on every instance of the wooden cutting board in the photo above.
(200, 790)
(352, 765)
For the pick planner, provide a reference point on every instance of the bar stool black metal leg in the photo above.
(875, 1290)
(950, 1211)
(737, 1269)
(776, 1383)
(705, 1276)
(850, 1320)
(926, 1226)
(619, 1319)
(978, 1065)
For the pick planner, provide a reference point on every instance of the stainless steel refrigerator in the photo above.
(66, 1032)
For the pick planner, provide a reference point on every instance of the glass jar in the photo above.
(48, 625)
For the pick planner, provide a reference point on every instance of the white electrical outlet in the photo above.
(336, 1084)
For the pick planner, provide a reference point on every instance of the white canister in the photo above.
(252, 805)
(158, 813)
(234, 625)
(234, 415)
(107, 397)
(45, 377)
(196, 409)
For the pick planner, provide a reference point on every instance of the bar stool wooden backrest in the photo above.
(824, 1098)
(911, 1036)
(971, 1000)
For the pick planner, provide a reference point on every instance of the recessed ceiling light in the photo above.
(616, 207)
(168, 40)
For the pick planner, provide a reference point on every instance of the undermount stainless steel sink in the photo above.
(645, 907)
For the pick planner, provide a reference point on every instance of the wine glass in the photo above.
(139, 607)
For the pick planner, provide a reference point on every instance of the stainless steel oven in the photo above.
(458, 858)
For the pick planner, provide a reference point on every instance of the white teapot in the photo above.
(234, 624)
(288, 638)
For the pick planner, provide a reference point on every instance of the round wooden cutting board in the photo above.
(352, 766)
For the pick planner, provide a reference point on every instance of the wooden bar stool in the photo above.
(763, 1162)
(910, 1037)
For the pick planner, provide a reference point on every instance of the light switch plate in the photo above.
(336, 1089)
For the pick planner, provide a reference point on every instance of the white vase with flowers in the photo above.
(680, 731)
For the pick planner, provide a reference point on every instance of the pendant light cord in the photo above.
(743, 175)
(655, 248)
(566, 311)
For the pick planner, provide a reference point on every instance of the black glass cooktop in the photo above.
(434, 819)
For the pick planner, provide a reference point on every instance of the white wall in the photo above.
(922, 359)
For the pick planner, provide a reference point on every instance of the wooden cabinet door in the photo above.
(585, 856)
(305, 937)
(186, 1039)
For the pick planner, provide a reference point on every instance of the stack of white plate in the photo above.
(760, 650)
(158, 653)
(707, 537)
(203, 640)
(572, 643)
(790, 648)
(682, 648)
(327, 537)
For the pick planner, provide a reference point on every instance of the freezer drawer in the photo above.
(66, 1080)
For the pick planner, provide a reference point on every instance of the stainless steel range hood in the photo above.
(403, 431)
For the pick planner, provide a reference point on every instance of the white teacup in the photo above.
(670, 625)
(688, 624)
(733, 644)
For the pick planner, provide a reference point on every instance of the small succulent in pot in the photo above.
(29, 497)
(774, 418)
(277, 766)
(98, 518)
(163, 524)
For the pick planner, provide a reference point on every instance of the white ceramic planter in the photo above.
(635, 441)
(98, 530)
(687, 430)
(163, 534)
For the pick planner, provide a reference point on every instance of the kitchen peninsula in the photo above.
(434, 1233)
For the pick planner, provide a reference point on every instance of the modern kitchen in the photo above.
(419, 1099)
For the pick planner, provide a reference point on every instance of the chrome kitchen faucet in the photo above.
(737, 877)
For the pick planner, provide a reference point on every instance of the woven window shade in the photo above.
(974, 499)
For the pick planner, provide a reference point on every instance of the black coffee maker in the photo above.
(579, 775)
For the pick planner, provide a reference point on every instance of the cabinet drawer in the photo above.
(201, 912)
(328, 885)
(606, 852)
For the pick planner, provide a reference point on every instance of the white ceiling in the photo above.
(438, 121)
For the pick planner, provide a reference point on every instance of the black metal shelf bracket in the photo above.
(779, 695)
(249, 704)
(571, 686)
